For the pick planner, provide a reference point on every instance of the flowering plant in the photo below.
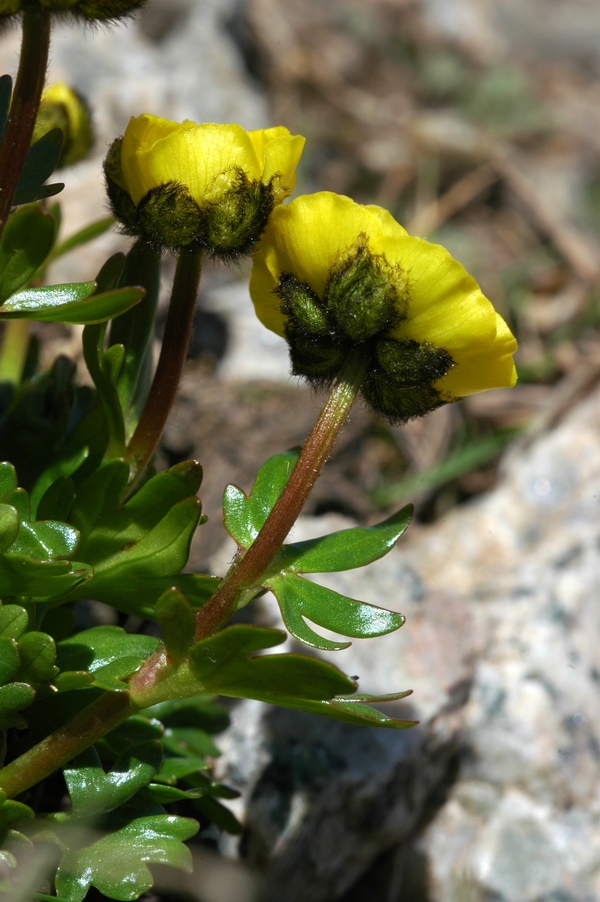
(366, 309)
(208, 185)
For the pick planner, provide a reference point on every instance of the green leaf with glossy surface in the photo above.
(22, 575)
(38, 654)
(12, 812)
(42, 159)
(10, 659)
(107, 652)
(225, 664)
(177, 623)
(244, 515)
(57, 500)
(115, 864)
(72, 303)
(14, 697)
(26, 242)
(138, 547)
(9, 526)
(13, 620)
(94, 792)
(299, 598)
(346, 549)
(45, 303)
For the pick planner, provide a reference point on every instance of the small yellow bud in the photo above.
(338, 279)
(62, 107)
(179, 184)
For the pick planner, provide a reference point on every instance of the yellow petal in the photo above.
(280, 153)
(199, 157)
(447, 308)
(480, 366)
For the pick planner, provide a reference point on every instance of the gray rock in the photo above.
(501, 648)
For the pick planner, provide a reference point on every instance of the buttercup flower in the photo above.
(62, 107)
(338, 279)
(211, 185)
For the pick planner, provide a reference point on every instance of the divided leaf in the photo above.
(138, 547)
(298, 598)
(107, 652)
(95, 792)
(115, 864)
(225, 664)
(244, 515)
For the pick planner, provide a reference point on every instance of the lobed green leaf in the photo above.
(243, 515)
(115, 864)
(298, 599)
(95, 792)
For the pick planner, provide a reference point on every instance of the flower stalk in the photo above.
(175, 344)
(56, 750)
(249, 567)
(111, 709)
(25, 104)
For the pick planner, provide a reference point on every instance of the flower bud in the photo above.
(338, 279)
(62, 107)
(209, 185)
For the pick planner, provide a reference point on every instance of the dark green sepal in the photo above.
(168, 217)
(235, 222)
(398, 402)
(363, 294)
(121, 203)
(412, 363)
(301, 305)
(317, 357)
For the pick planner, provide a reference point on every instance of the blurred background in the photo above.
(477, 124)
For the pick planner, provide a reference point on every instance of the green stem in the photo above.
(247, 569)
(25, 103)
(99, 718)
(173, 353)
(112, 708)
(13, 350)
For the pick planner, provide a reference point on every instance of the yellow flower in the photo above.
(337, 278)
(210, 184)
(62, 107)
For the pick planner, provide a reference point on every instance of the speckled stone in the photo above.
(501, 649)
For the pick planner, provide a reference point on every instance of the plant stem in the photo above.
(13, 350)
(113, 708)
(249, 567)
(173, 353)
(99, 718)
(25, 103)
